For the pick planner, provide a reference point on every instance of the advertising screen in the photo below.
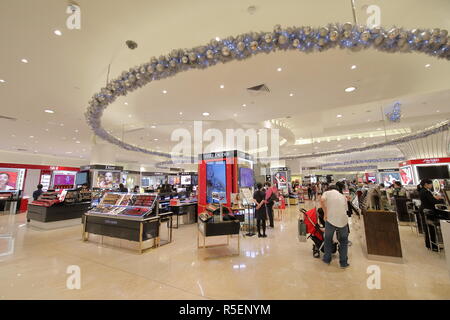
(8, 179)
(216, 182)
(194, 180)
(246, 179)
(406, 175)
(64, 179)
(280, 179)
(433, 172)
(108, 179)
(82, 177)
(171, 180)
(186, 180)
(388, 178)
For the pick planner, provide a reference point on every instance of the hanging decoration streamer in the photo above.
(394, 113)
(306, 39)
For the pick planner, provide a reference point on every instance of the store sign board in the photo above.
(102, 167)
(388, 170)
(425, 161)
(225, 154)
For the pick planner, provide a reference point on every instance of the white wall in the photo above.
(31, 181)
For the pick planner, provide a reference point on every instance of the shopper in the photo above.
(271, 197)
(399, 191)
(334, 205)
(428, 201)
(136, 189)
(260, 211)
(37, 193)
(122, 188)
(314, 191)
(309, 191)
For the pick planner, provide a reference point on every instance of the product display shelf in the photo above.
(114, 219)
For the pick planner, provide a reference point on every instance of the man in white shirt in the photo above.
(335, 207)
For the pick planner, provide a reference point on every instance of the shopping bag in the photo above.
(301, 231)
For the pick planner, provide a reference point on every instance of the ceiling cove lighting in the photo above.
(350, 89)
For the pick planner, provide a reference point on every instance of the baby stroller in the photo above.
(314, 221)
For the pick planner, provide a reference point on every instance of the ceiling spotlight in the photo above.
(69, 152)
(57, 32)
(77, 142)
(279, 69)
(129, 116)
(427, 65)
(126, 103)
(244, 105)
(49, 111)
(438, 111)
(76, 130)
(349, 138)
(339, 116)
(217, 39)
(31, 137)
(164, 91)
(2, 81)
(24, 60)
(155, 139)
(181, 113)
(350, 89)
(222, 86)
(291, 95)
(153, 127)
(353, 67)
(205, 114)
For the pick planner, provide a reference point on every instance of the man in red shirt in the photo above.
(270, 201)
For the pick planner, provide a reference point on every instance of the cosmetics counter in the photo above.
(129, 216)
(58, 206)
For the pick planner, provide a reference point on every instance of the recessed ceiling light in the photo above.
(427, 65)
(339, 116)
(244, 105)
(62, 124)
(350, 89)
(338, 139)
(438, 111)
(69, 152)
(155, 139)
(368, 120)
(76, 130)
(129, 116)
(353, 67)
(217, 39)
(24, 60)
(279, 69)
(153, 127)
(164, 91)
(31, 137)
(181, 113)
(49, 111)
(2, 81)
(222, 86)
(77, 142)
(57, 32)
(205, 114)
(291, 94)
(126, 103)
(349, 138)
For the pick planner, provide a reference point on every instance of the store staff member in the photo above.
(428, 201)
(38, 192)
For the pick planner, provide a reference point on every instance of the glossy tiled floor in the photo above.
(278, 267)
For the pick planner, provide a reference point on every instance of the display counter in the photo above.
(57, 212)
(219, 228)
(128, 216)
(382, 236)
(187, 210)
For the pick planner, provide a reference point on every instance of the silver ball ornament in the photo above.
(173, 63)
(209, 54)
(425, 35)
(268, 37)
(225, 51)
(160, 67)
(192, 56)
(307, 30)
(254, 45)
(323, 31)
(185, 59)
(347, 26)
(282, 39)
(334, 35)
(241, 46)
(365, 36)
(296, 43)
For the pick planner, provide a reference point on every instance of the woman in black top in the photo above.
(260, 212)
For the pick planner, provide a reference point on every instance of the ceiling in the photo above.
(63, 72)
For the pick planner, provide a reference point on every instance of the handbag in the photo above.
(301, 231)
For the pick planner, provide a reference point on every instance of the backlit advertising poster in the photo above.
(388, 178)
(216, 182)
(8, 179)
(108, 179)
(280, 179)
(406, 175)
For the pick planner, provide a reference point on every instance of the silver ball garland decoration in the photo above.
(434, 42)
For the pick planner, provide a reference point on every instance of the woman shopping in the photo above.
(260, 211)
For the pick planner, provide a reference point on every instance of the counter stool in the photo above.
(412, 218)
(433, 224)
